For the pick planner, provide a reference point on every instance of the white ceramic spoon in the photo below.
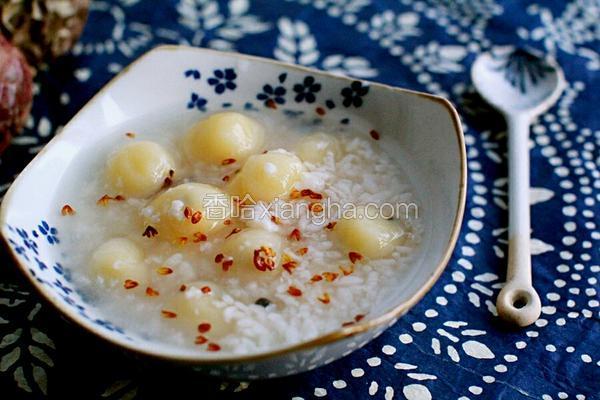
(521, 86)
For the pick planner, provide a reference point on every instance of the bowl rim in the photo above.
(328, 338)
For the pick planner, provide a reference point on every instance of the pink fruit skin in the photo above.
(15, 91)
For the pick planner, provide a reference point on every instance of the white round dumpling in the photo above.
(195, 309)
(139, 169)
(189, 211)
(267, 176)
(313, 148)
(372, 237)
(256, 254)
(120, 261)
(223, 138)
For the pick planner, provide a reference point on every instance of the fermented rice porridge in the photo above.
(239, 233)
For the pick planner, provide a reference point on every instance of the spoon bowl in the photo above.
(517, 81)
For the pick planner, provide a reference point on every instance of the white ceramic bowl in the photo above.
(183, 80)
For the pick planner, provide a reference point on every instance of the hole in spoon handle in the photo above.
(518, 304)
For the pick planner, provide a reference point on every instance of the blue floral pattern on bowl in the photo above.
(49, 232)
(273, 95)
(224, 79)
(36, 245)
(197, 102)
(307, 90)
(353, 95)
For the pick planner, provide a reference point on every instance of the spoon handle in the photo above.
(518, 302)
